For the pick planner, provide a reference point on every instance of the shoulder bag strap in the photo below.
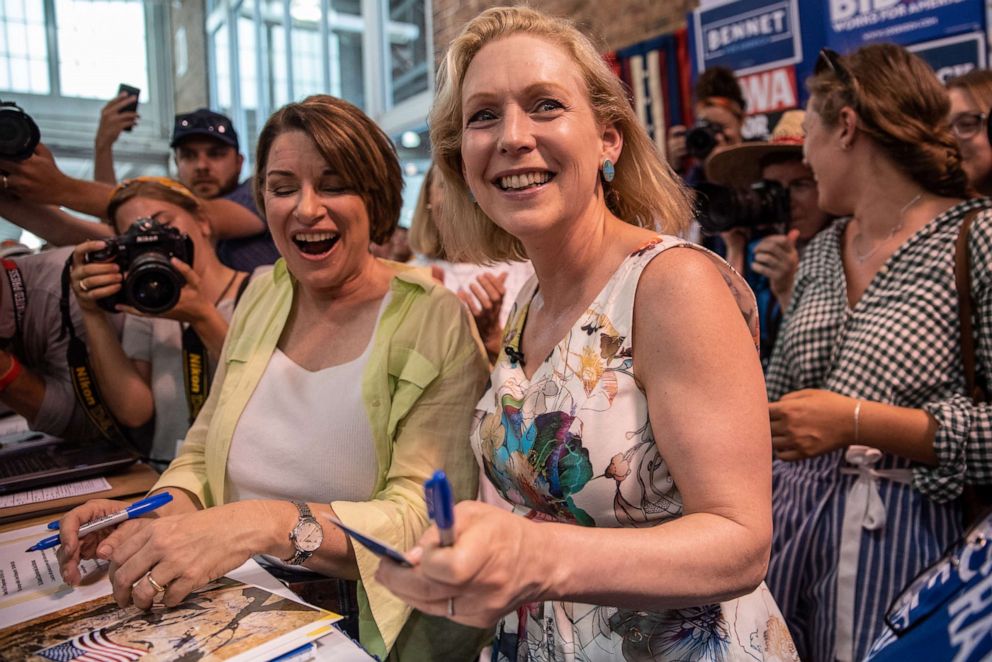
(976, 499)
(962, 279)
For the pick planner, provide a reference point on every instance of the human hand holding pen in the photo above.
(497, 563)
(75, 546)
(136, 509)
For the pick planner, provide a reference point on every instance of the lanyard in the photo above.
(19, 295)
(196, 372)
(83, 382)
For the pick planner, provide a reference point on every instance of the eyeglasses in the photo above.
(829, 60)
(967, 125)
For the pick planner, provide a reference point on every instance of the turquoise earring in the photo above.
(609, 172)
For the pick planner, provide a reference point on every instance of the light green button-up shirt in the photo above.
(424, 376)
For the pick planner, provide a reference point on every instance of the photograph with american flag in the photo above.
(92, 647)
(225, 621)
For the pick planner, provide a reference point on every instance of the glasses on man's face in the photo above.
(967, 125)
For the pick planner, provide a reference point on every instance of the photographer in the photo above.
(145, 374)
(766, 245)
(35, 378)
(719, 110)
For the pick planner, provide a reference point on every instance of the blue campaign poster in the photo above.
(851, 24)
(953, 56)
(746, 35)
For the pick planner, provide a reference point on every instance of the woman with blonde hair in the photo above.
(971, 103)
(873, 429)
(642, 510)
(488, 290)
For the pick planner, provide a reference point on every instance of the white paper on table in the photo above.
(332, 646)
(53, 492)
(30, 584)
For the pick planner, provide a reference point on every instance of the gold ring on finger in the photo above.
(451, 607)
(158, 587)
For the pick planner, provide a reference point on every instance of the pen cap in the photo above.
(440, 506)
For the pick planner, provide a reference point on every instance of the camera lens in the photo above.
(719, 208)
(19, 134)
(699, 142)
(153, 286)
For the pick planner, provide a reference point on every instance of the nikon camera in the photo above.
(765, 204)
(151, 284)
(19, 134)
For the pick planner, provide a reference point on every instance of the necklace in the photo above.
(226, 288)
(895, 229)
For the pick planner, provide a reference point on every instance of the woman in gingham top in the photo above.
(873, 434)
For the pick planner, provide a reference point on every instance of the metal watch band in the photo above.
(301, 555)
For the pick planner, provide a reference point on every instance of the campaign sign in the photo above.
(768, 94)
(953, 56)
(747, 35)
(854, 23)
(771, 90)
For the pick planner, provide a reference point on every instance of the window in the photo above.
(373, 53)
(91, 67)
(61, 60)
(407, 30)
(23, 65)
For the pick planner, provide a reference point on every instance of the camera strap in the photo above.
(83, 381)
(19, 295)
(196, 372)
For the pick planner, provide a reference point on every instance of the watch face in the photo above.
(308, 535)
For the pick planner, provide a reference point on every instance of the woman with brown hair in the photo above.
(971, 103)
(142, 375)
(874, 433)
(625, 416)
(344, 383)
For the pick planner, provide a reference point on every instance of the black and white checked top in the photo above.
(901, 343)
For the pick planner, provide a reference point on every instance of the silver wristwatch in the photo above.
(306, 536)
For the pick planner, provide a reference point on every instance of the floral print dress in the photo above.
(574, 444)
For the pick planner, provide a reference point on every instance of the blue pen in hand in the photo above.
(441, 510)
(440, 506)
(136, 509)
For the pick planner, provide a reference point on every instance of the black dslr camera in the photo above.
(151, 284)
(764, 204)
(19, 134)
(701, 139)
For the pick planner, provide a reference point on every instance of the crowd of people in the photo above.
(659, 449)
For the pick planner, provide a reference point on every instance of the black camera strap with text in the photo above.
(84, 383)
(196, 372)
(19, 295)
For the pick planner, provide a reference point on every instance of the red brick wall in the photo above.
(611, 24)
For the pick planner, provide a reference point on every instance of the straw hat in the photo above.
(740, 166)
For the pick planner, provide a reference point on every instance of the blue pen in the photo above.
(440, 507)
(136, 509)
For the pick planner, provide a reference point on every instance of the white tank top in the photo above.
(304, 435)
